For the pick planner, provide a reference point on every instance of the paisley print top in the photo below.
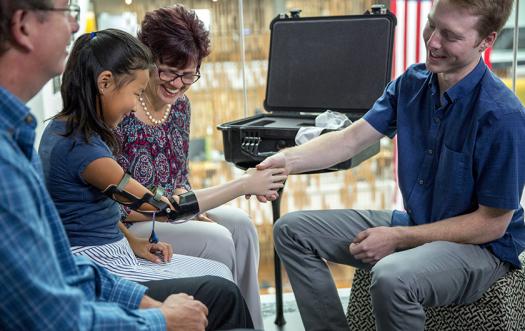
(157, 155)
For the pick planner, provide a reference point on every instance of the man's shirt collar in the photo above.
(461, 88)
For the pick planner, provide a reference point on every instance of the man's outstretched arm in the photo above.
(324, 151)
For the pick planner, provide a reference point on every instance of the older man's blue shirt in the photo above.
(43, 286)
(458, 151)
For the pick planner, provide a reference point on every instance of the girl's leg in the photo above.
(201, 239)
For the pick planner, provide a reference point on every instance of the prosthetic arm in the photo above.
(187, 207)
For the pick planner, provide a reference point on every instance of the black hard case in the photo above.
(341, 63)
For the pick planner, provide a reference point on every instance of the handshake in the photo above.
(266, 178)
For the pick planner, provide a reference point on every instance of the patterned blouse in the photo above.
(157, 155)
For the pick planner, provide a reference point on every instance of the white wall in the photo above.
(47, 103)
(44, 105)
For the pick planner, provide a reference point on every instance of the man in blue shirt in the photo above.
(42, 286)
(461, 143)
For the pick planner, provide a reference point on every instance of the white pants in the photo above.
(232, 240)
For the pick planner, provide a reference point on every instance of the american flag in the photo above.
(409, 47)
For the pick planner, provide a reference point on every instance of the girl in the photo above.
(106, 72)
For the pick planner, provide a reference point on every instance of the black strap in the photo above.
(187, 207)
(135, 203)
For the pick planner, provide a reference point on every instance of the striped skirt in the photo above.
(119, 259)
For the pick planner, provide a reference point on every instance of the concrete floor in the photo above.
(291, 313)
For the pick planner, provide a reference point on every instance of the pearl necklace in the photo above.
(150, 117)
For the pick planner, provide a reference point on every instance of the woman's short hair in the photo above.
(175, 36)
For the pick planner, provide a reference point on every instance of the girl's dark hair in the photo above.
(175, 36)
(112, 50)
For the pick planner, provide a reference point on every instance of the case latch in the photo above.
(378, 9)
(294, 13)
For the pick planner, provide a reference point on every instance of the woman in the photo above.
(154, 150)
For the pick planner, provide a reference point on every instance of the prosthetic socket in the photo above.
(187, 207)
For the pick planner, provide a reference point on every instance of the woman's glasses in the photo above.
(186, 78)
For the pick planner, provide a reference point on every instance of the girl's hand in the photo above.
(146, 250)
(264, 182)
(275, 161)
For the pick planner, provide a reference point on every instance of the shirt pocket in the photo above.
(451, 190)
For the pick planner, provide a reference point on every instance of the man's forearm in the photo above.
(478, 227)
(313, 155)
(331, 148)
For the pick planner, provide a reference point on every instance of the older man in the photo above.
(43, 287)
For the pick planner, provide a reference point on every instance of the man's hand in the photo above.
(275, 161)
(182, 312)
(373, 244)
(146, 250)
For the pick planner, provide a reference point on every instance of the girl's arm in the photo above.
(258, 182)
(106, 171)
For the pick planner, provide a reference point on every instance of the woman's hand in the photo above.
(264, 182)
(178, 191)
(146, 250)
(203, 217)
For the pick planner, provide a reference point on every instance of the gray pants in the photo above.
(434, 274)
(232, 240)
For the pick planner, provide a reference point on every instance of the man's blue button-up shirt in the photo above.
(42, 286)
(463, 149)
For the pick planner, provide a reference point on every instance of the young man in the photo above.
(461, 140)
(43, 287)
